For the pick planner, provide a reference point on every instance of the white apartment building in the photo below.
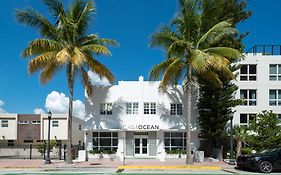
(259, 83)
(136, 120)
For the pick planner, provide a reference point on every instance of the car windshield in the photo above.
(266, 151)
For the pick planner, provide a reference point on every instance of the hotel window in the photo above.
(11, 143)
(249, 96)
(275, 72)
(106, 108)
(132, 108)
(248, 72)
(105, 141)
(246, 118)
(55, 123)
(149, 108)
(174, 140)
(4, 123)
(36, 122)
(176, 109)
(275, 97)
(80, 127)
(23, 122)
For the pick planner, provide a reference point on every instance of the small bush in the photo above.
(103, 152)
(246, 150)
(177, 151)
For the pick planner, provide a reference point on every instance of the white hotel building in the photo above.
(259, 83)
(135, 120)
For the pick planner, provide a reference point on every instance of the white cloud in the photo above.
(96, 80)
(58, 103)
(39, 111)
(2, 110)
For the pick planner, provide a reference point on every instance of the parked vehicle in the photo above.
(265, 161)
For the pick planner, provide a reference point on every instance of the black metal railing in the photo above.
(265, 50)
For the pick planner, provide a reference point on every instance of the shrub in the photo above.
(246, 150)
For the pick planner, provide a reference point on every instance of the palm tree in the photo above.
(240, 134)
(189, 54)
(65, 44)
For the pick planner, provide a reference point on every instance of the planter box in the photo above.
(175, 156)
(100, 156)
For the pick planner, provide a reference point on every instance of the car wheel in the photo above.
(265, 167)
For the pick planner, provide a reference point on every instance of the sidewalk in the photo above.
(107, 163)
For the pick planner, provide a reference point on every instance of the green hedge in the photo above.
(177, 151)
(103, 152)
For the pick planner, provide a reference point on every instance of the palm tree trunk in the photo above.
(238, 148)
(188, 119)
(69, 157)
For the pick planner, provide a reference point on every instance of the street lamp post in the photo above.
(231, 160)
(48, 160)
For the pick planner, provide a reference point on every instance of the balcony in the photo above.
(265, 50)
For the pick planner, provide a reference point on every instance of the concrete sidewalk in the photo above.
(107, 163)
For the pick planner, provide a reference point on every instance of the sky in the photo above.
(130, 22)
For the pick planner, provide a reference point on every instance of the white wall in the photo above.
(10, 132)
(262, 85)
(134, 91)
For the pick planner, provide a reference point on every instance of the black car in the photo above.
(265, 161)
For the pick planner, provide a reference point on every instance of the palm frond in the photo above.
(49, 71)
(39, 62)
(34, 19)
(63, 56)
(198, 61)
(78, 58)
(86, 82)
(100, 69)
(159, 69)
(172, 73)
(55, 7)
(230, 53)
(40, 46)
(216, 33)
(97, 49)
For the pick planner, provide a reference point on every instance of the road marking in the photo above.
(172, 167)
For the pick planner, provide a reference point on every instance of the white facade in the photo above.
(8, 126)
(141, 119)
(259, 92)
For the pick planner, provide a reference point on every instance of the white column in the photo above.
(160, 148)
(121, 145)
(88, 140)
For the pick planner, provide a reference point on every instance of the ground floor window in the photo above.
(175, 140)
(105, 141)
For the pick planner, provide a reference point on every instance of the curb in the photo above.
(172, 167)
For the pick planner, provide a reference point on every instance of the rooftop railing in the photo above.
(265, 50)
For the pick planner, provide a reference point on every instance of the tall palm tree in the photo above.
(65, 44)
(189, 54)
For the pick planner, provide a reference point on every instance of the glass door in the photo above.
(141, 145)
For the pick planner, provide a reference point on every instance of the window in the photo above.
(249, 97)
(4, 123)
(176, 109)
(132, 108)
(149, 108)
(80, 127)
(11, 143)
(174, 140)
(28, 141)
(55, 123)
(248, 72)
(23, 122)
(246, 118)
(36, 122)
(275, 97)
(105, 141)
(106, 108)
(275, 72)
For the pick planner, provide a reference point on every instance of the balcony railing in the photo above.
(265, 50)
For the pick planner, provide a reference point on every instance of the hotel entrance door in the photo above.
(141, 146)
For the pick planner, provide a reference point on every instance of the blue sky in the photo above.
(127, 21)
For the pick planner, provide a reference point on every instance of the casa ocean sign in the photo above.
(143, 127)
